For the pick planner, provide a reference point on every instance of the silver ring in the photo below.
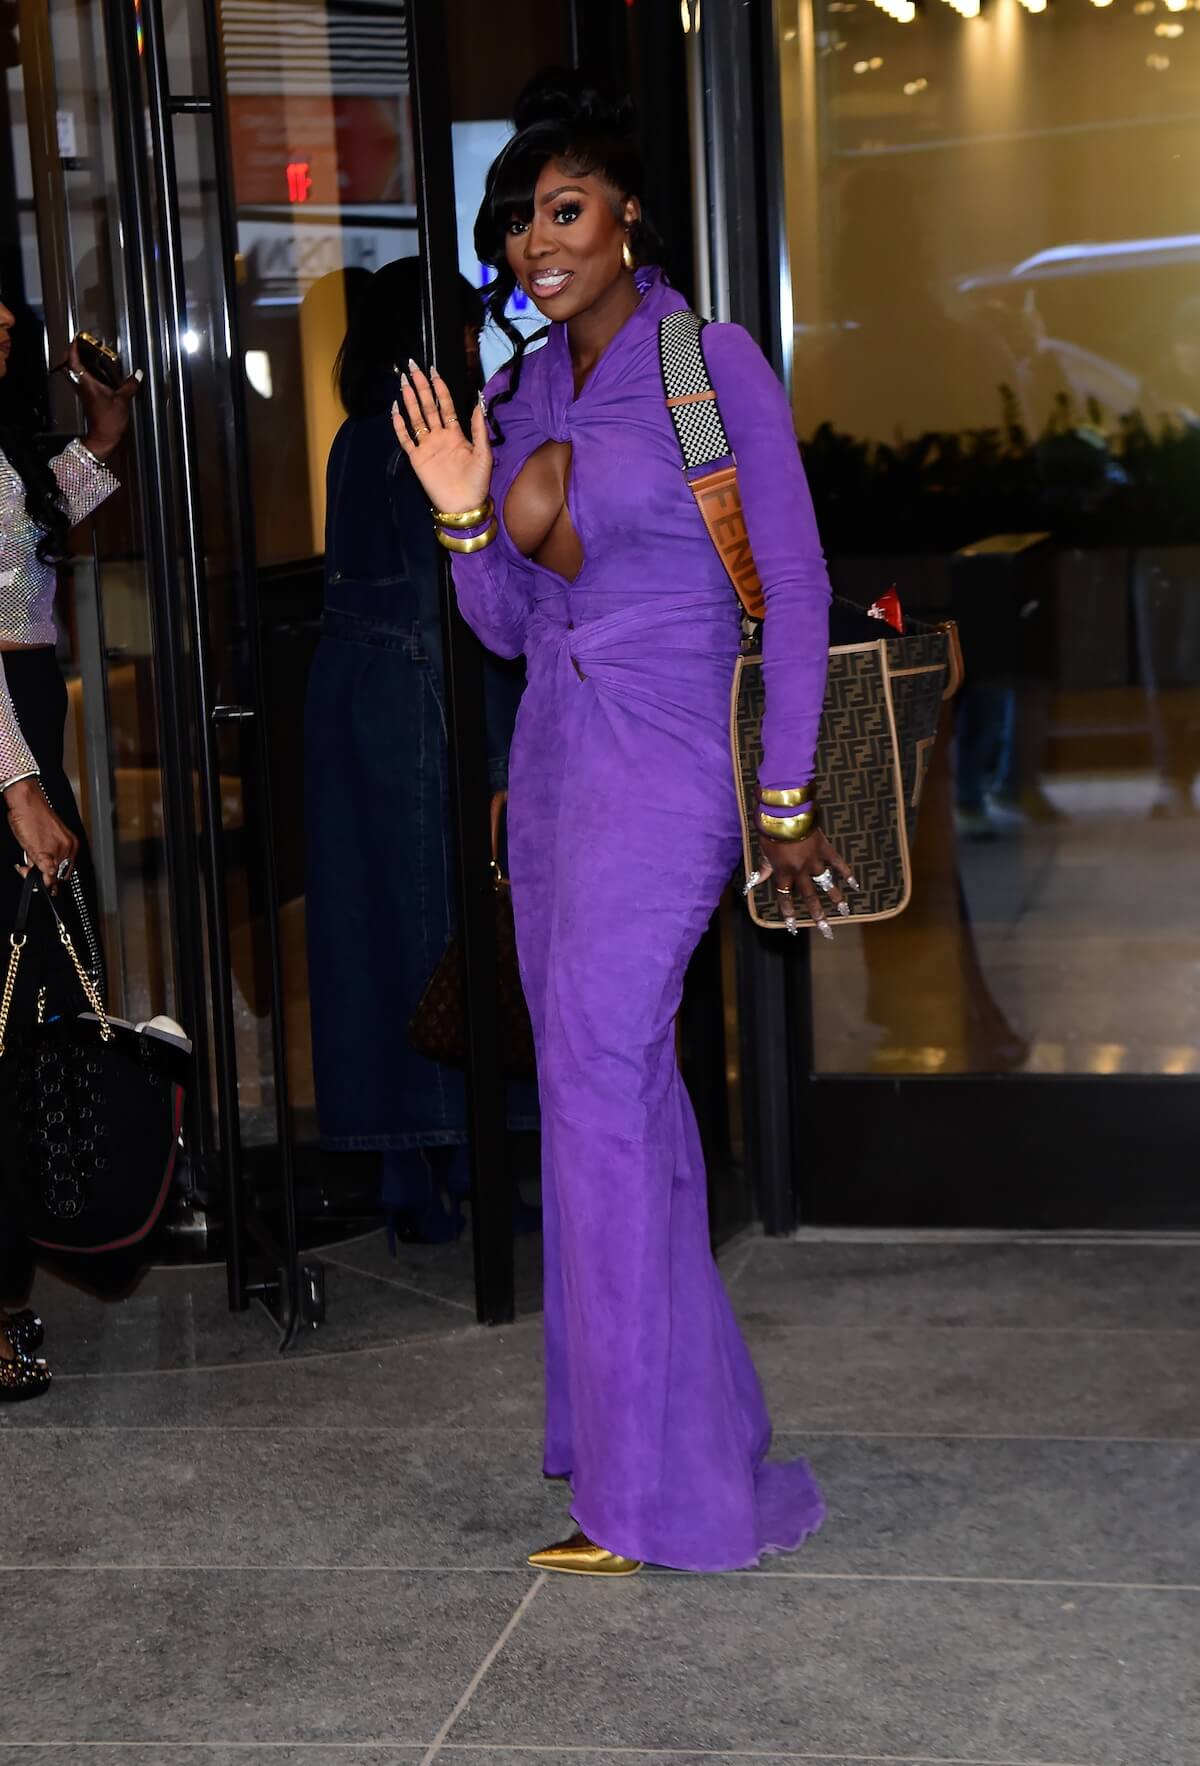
(63, 868)
(74, 377)
(825, 880)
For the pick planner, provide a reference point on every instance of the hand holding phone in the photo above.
(101, 362)
(104, 392)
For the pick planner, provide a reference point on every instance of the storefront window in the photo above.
(994, 239)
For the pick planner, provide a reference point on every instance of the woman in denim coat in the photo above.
(378, 846)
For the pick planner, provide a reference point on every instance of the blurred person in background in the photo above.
(40, 502)
(378, 876)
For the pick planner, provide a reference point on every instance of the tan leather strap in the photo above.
(719, 501)
(704, 444)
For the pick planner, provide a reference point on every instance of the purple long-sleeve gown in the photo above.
(623, 832)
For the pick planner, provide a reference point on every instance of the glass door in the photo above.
(994, 336)
(63, 269)
(113, 151)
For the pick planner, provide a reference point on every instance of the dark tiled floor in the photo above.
(220, 1557)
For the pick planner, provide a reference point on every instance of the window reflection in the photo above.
(994, 235)
(321, 143)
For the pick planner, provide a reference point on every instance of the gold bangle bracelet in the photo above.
(467, 518)
(787, 827)
(791, 799)
(452, 544)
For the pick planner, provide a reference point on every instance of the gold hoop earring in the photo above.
(627, 257)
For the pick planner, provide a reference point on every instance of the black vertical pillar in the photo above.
(491, 1175)
(741, 103)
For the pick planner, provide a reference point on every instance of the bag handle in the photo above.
(704, 444)
(499, 818)
(700, 432)
(18, 938)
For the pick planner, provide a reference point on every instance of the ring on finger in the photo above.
(782, 889)
(63, 869)
(825, 880)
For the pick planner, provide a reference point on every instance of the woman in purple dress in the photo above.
(577, 541)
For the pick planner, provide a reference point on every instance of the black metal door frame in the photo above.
(737, 117)
(491, 1170)
(261, 1253)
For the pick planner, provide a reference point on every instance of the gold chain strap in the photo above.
(90, 991)
(91, 994)
(10, 981)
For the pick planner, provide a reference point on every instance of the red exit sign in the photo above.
(299, 181)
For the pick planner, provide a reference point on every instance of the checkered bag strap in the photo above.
(700, 431)
(690, 396)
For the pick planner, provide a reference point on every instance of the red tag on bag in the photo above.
(888, 608)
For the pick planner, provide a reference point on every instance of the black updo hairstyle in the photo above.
(560, 115)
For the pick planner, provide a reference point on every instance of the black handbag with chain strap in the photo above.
(883, 693)
(92, 1107)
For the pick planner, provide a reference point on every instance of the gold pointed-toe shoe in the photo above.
(577, 1556)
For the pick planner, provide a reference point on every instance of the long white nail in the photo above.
(404, 380)
(843, 908)
(854, 882)
(793, 927)
(412, 366)
(824, 928)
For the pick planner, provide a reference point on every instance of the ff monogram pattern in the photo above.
(882, 704)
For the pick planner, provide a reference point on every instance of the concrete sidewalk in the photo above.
(217, 1557)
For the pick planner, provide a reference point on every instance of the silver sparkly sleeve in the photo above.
(16, 756)
(83, 481)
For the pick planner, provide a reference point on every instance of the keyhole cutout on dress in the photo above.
(536, 513)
